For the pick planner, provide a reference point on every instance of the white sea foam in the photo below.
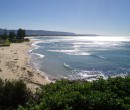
(35, 44)
(31, 50)
(84, 39)
(71, 52)
(66, 65)
(79, 53)
(99, 42)
(119, 75)
(92, 75)
(39, 55)
(88, 75)
(82, 45)
(102, 57)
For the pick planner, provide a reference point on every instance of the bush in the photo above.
(7, 42)
(13, 94)
(26, 39)
(110, 94)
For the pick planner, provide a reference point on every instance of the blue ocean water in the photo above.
(81, 57)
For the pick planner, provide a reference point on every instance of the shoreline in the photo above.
(14, 65)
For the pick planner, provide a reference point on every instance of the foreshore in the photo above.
(14, 65)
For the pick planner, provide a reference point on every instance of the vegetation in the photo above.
(110, 94)
(13, 94)
(12, 36)
(6, 39)
(4, 36)
(21, 34)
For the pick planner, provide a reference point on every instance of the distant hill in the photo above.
(41, 33)
(47, 33)
(1, 31)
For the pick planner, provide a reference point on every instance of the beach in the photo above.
(14, 65)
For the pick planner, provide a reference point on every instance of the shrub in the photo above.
(13, 94)
(110, 94)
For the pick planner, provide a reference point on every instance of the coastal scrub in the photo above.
(110, 94)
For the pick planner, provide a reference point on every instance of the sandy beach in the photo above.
(14, 65)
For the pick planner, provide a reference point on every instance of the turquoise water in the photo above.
(81, 57)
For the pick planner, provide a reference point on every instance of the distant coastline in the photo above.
(47, 33)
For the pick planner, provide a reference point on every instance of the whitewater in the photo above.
(81, 57)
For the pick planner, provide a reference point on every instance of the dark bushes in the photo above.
(13, 94)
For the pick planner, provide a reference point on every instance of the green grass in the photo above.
(6, 43)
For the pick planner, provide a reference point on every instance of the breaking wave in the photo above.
(71, 52)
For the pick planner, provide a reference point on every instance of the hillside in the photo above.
(47, 33)
(42, 32)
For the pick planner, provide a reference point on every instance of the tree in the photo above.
(12, 36)
(5, 36)
(21, 34)
(0, 37)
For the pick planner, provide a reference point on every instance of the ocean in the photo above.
(81, 57)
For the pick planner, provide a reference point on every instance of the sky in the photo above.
(102, 17)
